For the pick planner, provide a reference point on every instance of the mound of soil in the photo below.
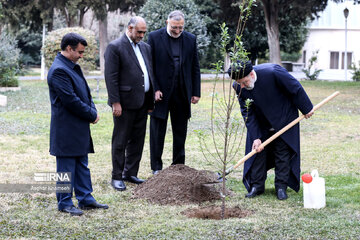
(180, 184)
(214, 212)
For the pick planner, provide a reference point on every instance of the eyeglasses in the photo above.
(177, 27)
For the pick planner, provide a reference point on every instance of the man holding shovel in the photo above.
(276, 98)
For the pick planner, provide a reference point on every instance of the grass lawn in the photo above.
(330, 143)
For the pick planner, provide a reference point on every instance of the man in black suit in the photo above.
(176, 85)
(72, 109)
(128, 77)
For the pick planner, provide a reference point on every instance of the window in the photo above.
(349, 57)
(334, 60)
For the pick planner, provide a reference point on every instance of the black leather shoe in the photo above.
(281, 194)
(156, 172)
(118, 185)
(133, 179)
(72, 210)
(254, 192)
(94, 205)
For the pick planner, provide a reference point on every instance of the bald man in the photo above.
(129, 77)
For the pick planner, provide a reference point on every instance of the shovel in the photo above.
(273, 137)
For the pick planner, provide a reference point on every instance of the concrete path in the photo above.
(328, 74)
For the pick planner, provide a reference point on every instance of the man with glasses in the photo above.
(176, 85)
(128, 77)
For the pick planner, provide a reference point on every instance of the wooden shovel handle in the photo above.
(284, 129)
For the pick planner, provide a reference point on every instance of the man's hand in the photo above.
(195, 99)
(117, 110)
(256, 145)
(158, 96)
(309, 114)
(96, 120)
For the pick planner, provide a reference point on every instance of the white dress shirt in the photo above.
(142, 64)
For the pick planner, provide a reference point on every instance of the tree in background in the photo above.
(9, 60)
(52, 47)
(1, 16)
(24, 19)
(100, 9)
(156, 12)
(284, 22)
(30, 44)
(210, 9)
(32, 14)
(300, 10)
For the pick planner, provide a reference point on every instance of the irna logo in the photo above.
(53, 177)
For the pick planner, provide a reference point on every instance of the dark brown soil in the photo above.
(214, 212)
(180, 184)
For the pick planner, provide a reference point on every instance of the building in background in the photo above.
(327, 36)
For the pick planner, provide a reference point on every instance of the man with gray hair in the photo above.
(177, 85)
(129, 82)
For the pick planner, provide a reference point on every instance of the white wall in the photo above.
(327, 34)
(327, 41)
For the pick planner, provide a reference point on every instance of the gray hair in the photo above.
(135, 20)
(176, 15)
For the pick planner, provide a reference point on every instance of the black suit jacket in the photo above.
(123, 75)
(164, 67)
(72, 109)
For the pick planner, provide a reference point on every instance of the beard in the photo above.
(251, 84)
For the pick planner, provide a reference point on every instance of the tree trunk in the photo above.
(81, 19)
(272, 29)
(43, 67)
(50, 23)
(103, 41)
(71, 21)
(223, 194)
(69, 18)
(82, 12)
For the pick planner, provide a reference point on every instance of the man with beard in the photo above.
(176, 85)
(276, 98)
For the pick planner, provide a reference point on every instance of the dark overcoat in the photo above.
(123, 75)
(72, 109)
(277, 97)
(164, 68)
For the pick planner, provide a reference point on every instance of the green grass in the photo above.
(330, 143)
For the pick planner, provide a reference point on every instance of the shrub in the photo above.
(314, 75)
(9, 61)
(29, 43)
(291, 57)
(356, 72)
(52, 47)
